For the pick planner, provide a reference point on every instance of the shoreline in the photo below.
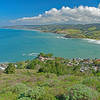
(63, 35)
(21, 29)
(93, 41)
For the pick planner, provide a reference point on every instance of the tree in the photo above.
(49, 55)
(10, 69)
(42, 54)
(31, 65)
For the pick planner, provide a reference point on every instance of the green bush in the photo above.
(81, 92)
(25, 98)
(19, 88)
(10, 69)
(46, 55)
(37, 93)
(21, 65)
(93, 82)
(8, 96)
(55, 67)
(31, 65)
(49, 97)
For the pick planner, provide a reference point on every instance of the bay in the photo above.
(19, 45)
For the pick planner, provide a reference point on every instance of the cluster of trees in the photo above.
(57, 66)
(49, 55)
(54, 67)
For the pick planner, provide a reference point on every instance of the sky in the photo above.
(14, 12)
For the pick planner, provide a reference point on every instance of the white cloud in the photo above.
(66, 15)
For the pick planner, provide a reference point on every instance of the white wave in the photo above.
(61, 37)
(57, 37)
(33, 54)
(23, 54)
(92, 41)
(30, 54)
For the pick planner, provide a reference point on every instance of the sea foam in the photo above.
(61, 37)
(92, 41)
(30, 54)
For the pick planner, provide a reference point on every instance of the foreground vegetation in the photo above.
(51, 78)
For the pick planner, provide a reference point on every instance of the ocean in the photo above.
(20, 45)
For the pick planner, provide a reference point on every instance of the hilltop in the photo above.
(51, 78)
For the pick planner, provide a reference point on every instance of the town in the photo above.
(83, 64)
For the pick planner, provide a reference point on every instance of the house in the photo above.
(2, 68)
(98, 60)
(95, 68)
(44, 58)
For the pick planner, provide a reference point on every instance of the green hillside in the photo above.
(51, 78)
(91, 31)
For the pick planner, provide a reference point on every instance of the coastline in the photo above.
(88, 40)
(63, 35)
(22, 29)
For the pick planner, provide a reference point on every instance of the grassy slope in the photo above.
(55, 85)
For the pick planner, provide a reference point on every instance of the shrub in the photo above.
(26, 98)
(19, 88)
(49, 97)
(61, 97)
(81, 92)
(8, 96)
(21, 65)
(10, 69)
(93, 82)
(31, 66)
(90, 81)
(36, 93)
(45, 55)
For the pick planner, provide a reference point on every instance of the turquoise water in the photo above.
(19, 45)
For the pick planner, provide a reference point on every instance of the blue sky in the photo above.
(13, 9)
